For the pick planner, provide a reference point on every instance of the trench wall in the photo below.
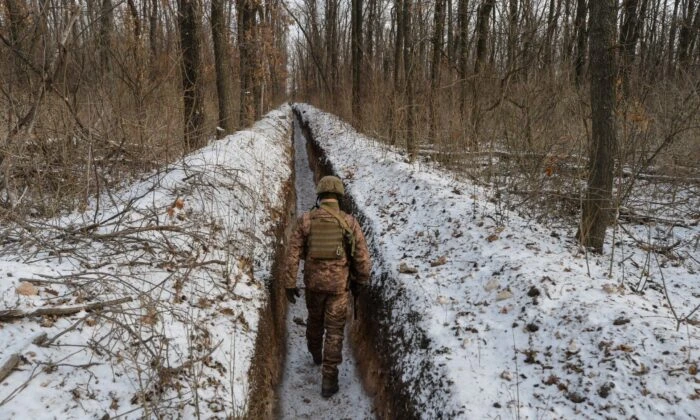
(270, 346)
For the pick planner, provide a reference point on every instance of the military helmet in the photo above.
(330, 184)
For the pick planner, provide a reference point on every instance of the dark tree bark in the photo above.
(581, 38)
(672, 38)
(597, 209)
(153, 21)
(652, 44)
(136, 21)
(567, 42)
(695, 31)
(105, 37)
(398, 50)
(332, 45)
(463, 17)
(450, 34)
(189, 20)
(552, 19)
(438, 35)
(356, 60)
(628, 42)
(512, 33)
(247, 53)
(224, 70)
(408, 74)
(684, 35)
(482, 28)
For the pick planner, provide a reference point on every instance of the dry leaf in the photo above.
(226, 311)
(406, 269)
(27, 289)
(504, 294)
(440, 261)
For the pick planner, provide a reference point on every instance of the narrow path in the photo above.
(300, 392)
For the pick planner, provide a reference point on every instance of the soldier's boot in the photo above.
(329, 386)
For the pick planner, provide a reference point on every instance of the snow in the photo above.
(300, 390)
(510, 318)
(193, 246)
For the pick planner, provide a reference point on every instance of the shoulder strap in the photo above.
(344, 224)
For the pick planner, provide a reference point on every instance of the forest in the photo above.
(499, 91)
(525, 173)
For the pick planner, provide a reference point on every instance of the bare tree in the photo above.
(408, 72)
(357, 60)
(189, 19)
(224, 70)
(438, 37)
(596, 213)
(249, 69)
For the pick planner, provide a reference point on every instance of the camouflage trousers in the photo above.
(326, 312)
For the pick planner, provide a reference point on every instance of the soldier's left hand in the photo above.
(292, 294)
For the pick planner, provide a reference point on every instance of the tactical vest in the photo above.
(328, 235)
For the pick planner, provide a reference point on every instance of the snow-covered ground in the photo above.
(494, 316)
(191, 247)
(300, 391)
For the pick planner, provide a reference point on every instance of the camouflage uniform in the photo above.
(326, 284)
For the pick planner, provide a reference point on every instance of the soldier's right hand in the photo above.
(357, 289)
(292, 294)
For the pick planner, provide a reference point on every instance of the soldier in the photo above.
(332, 246)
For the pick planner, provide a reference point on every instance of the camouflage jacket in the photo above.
(329, 276)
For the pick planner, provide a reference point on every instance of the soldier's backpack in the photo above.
(329, 239)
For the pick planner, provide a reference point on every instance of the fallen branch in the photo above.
(8, 366)
(631, 216)
(60, 310)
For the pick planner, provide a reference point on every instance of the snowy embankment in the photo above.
(487, 315)
(183, 260)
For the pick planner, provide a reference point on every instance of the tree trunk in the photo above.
(450, 34)
(597, 203)
(439, 20)
(672, 38)
(512, 39)
(628, 42)
(153, 29)
(566, 48)
(552, 19)
(105, 37)
(685, 34)
(463, 18)
(581, 37)
(356, 61)
(190, 23)
(136, 21)
(398, 50)
(482, 28)
(332, 45)
(224, 70)
(408, 74)
(695, 31)
(247, 53)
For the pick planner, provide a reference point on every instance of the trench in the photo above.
(376, 346)
(299, 393)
